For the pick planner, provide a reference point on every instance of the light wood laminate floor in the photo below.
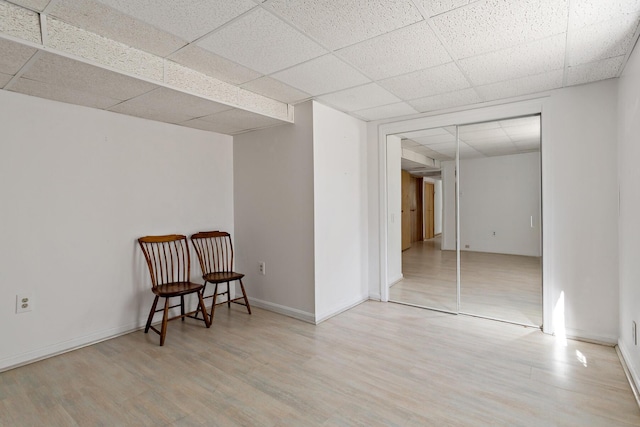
(377, 364)
(506, 287)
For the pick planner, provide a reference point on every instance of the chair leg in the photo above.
(151, 313)
(244, 294)
(182, 306)
(163, 331)
(213, 305)
(207, 319)
(229, 294)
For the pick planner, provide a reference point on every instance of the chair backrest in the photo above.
(167, 258)
(215, 251)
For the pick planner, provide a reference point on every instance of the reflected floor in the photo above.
(507, 287)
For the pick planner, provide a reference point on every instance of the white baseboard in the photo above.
(580, 335)
(281, 309)
(630, 370)
(375, 296)
(18, 360)
(341, 309)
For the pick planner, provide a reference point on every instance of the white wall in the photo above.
(629, 224)
(394, 206)
(499, 194)
(580, 248)
(437, 206)
(78, 186)
(448, 241)
(273, 199)
(340, 211)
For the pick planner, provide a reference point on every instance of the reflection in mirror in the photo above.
(428, 239)
(500, 229)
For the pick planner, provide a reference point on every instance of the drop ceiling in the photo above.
(234, 66)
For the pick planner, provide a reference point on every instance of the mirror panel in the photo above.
(500, 230)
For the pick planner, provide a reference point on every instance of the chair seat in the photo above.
(222, 276)
(176, 289)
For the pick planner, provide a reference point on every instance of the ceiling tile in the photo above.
(429, 82)
(594, 71)
(436, 7)
(387, 111)
(241, 119)
(187, 19)
(498, 24)
(321, 75)
(213, 65)
(4, 79)
(486, 141)
(275, 89)
(523, 60)
(37, 5)
(402, 51)
(62, 94)
(360, 98)
(169, 105)
(340, 23)
(261, 42)
(98, 18)
(531, 121)
(602, 40)
(471, 133)
(522, 86)
(212, 127)
(407, 143)
(14, 56)
(587, 12)
(19, 22)
(446, 100)
(67, 73)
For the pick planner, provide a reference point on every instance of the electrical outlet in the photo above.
(24, 303)
(634, 332)
(262, 268)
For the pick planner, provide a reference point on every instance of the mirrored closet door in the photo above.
(478, 251)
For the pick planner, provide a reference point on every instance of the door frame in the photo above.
(461, 117)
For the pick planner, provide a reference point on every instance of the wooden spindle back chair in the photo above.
(215, 253)
(169, 265)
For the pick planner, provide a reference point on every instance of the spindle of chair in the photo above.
(215, 253)
(169, 264)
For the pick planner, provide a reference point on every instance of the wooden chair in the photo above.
(169, 265)
(215, 253)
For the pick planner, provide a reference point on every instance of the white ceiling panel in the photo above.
(13, 56)
(4, 79)
(67, 73)
(602, 40)
(321, 75)
(168, 105)
(436, 7)
(360, 98)
(471, 133)
(587, 12)
(340, 23)
(37, 5)
(241, 119)
(386, 111)
(213, 65)
(446, 100)
(19, 22)
(491, 25)
(98, 18)
(429, 82)
(275, 89)
(62, 94)
(262, 42)
(501, 140)
(523, 60)
(402, 51)
(407, 143)
(522, 86)
(187, 19)
(212, 127)
(594, 71)
(435, 139)
(531, 121)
